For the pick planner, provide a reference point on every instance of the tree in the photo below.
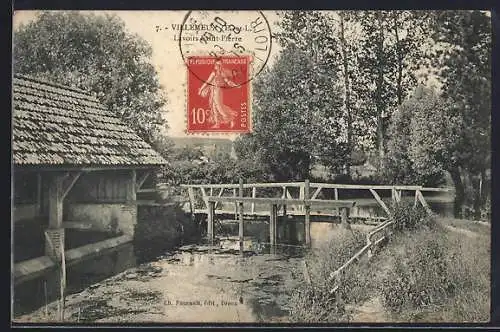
(95, 53)
(420, 138)
(388, 57)
(465, 69)
(295, 123)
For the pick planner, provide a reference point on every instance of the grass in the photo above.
(428, 272)
(315, 301)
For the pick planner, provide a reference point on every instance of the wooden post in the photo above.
(336, 193)
(343, 218)
(273, 217)
(254, 194)
(307, 221)
(235, 206)
(416, 198)
(191, 200)
(55, 202)
(132, 196)
(210, 222)
(393, 196)
(240, 229)
(284, 205)
(302, 194)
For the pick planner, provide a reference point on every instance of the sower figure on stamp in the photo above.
(213, 86)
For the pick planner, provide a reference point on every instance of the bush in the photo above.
(408, 217)
(316, 302)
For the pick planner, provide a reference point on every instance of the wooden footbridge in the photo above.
(288, 199)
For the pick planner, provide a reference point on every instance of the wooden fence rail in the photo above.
(306, 190)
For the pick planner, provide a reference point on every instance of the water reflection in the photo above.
(229, 287)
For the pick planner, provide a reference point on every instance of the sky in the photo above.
(166, 56)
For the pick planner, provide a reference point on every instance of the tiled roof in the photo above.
(57, 125)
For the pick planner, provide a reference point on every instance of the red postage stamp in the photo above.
(218, 91)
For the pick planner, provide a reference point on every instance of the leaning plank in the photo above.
(379, 200)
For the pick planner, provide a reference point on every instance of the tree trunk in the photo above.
(347, 92)
(459, 192)
(399, 82)
(379, 102)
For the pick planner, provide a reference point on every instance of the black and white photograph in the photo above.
(246, 166)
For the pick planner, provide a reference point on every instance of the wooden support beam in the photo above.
(221, 192)
(316, 193)
(416, 198)
(141, 180)
(307, 216)
(379, 200)
(56, 201)
(69, 182)
(210, 222)
(424, 202)
(254, 194)
(131, 194)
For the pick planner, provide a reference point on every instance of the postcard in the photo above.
(216, 166)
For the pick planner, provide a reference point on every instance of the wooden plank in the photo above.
(416, 198)
(280, 201)
(367, 187)
(379, 200)
(437, 189)
(210, 222)
(246, 185)
(284, 196)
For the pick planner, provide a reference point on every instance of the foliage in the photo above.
(295, 124)
(191, 165)
(423, 133)
(316, 302)
(95, 53)
(409, 217)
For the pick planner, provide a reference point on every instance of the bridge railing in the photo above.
(198, 194)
